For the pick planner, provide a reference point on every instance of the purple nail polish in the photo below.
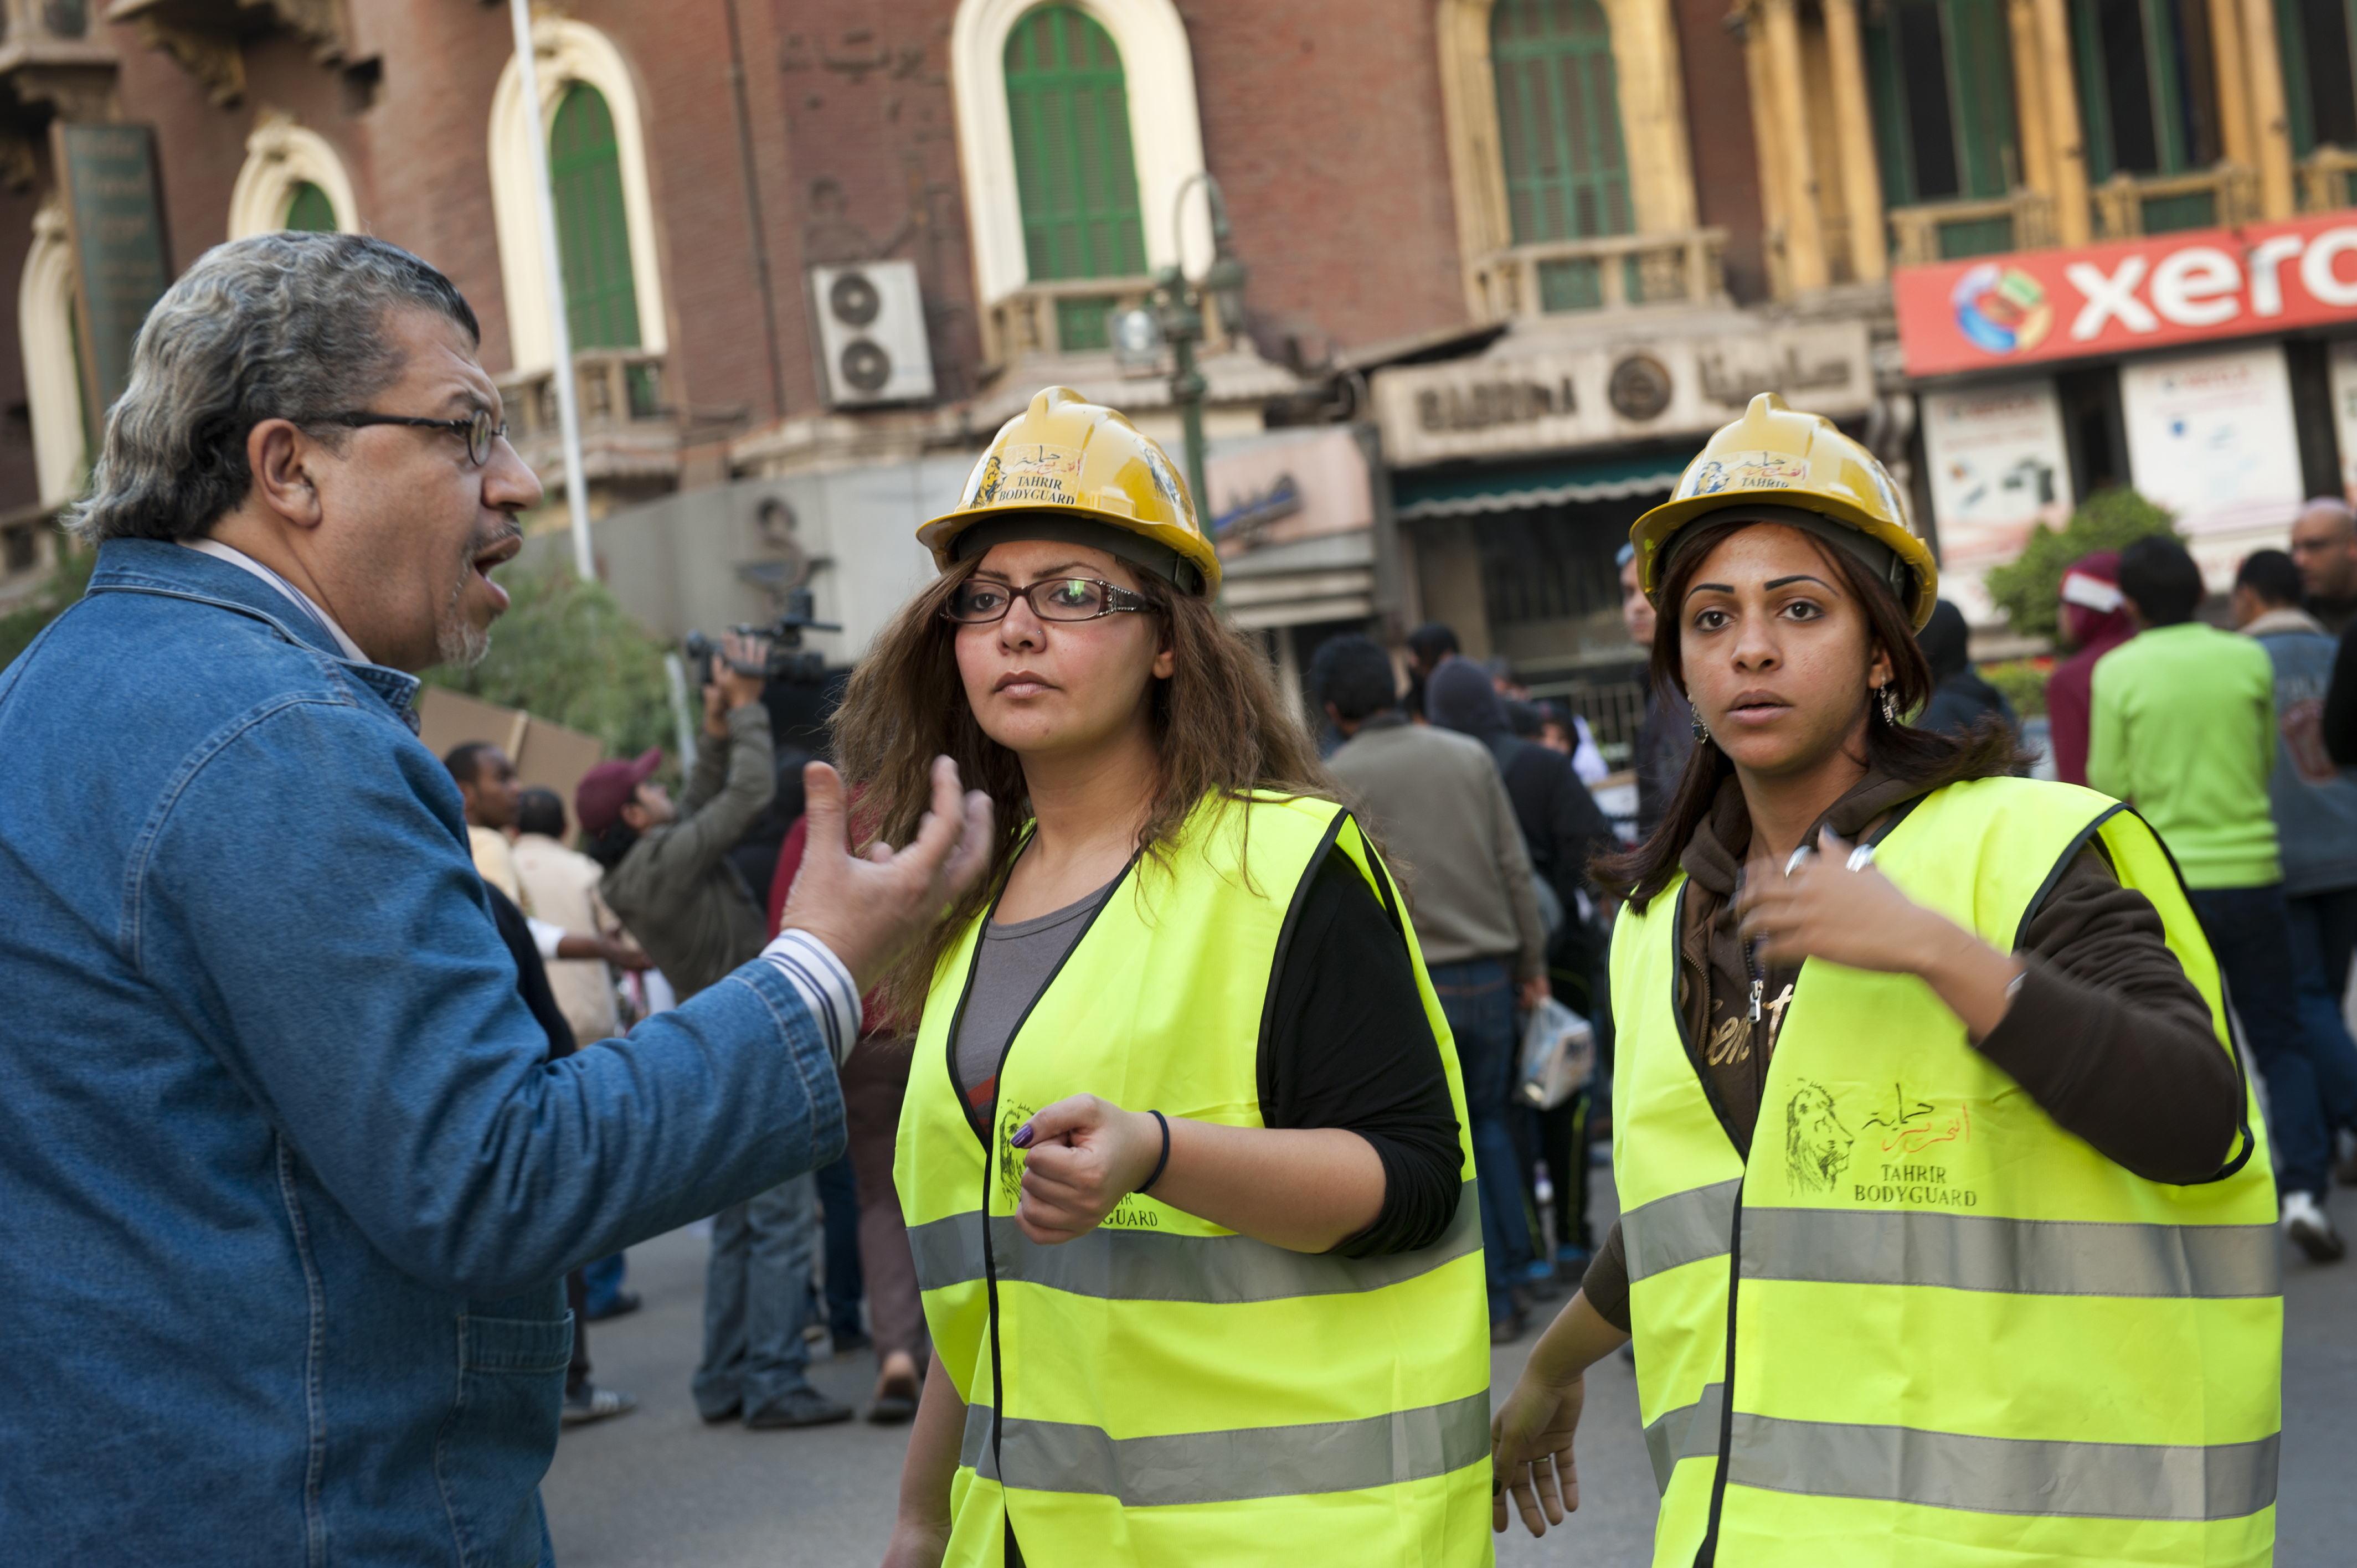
(1022, 1136)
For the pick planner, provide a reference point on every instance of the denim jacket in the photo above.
(286, 1191)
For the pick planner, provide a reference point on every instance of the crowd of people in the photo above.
(1160, 1109)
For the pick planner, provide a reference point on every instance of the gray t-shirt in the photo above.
(1017, 958)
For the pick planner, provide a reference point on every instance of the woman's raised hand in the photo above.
(1824, 910)
(1082, 1157)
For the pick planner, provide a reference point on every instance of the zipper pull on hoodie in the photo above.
(1758, 985)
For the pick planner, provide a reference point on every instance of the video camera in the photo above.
(788, 660)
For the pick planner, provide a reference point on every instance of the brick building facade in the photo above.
(1542, 247)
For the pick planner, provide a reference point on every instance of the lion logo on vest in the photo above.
(1011, 1116)
(1816, 1145)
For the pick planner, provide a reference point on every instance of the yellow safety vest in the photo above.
(1161, 1391)
(1961, 1337)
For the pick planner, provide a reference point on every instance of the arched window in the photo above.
(1559, 120)
(1940, 78)
(46, 333)
(593, 232)
(2148, 102)
(589, 114)
(2319, 57)
(1069, 108)
(310, 208)
(292, 179)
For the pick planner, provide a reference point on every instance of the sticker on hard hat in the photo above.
(1028, 475)
(1745, 471)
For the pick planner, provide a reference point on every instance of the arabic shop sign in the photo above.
(1525, 397)
(116, 228)
(2001, 311)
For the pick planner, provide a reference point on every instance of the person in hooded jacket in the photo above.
(1564, 828)
(2095, 620)
(1960, 698)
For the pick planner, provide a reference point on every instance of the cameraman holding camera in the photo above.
(668, 876)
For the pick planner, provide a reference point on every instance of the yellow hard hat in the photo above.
(1064, 458)
(1776, 460)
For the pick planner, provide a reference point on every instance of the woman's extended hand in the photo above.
(1082, 1156)
(1824, 910)
(1530, 1453)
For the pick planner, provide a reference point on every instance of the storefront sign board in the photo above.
(1998, 312)
(2211, 436)
(1281, 488)
(1998, 467)
(2344, 412)
(1522, 398)
(115, 221)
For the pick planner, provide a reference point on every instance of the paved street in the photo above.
(660, 1489)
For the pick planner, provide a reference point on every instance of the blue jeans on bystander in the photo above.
(2250, 930)
(1477, 998)
(757, 1297)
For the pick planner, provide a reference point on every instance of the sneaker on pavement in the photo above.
(2312, 1228)
(797, 1407)
(594, 1403)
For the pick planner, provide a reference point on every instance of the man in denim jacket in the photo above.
(286, 1192)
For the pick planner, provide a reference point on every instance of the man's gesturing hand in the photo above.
(870, 911)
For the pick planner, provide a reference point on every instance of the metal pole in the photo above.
(568, 393)
(1186, 392)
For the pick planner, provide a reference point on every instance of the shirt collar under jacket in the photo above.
(303, 601)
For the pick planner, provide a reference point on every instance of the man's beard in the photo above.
(457, 641)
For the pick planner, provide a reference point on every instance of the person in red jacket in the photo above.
(2095, 620)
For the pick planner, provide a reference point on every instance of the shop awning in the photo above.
(1467, 492)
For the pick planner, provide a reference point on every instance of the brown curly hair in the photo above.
(1221, 729)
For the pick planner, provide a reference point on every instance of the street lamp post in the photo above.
(1177, 318)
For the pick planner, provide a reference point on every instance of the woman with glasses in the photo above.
(1183, 1154)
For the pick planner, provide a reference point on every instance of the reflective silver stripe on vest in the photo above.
(1114, 1264)
(1237, 1465)
(1689, 1431)
(1684, 1228)
(2019, 1257)
(2002, 1475)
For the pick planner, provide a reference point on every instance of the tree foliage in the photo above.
(2029, 589)
(67, 582)
(567, 651)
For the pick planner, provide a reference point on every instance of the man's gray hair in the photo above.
(2333, 507)
(288, 325)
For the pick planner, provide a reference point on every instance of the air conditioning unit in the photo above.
(871, 334)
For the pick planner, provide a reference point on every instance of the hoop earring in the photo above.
(1890, 705)
(1701, 730)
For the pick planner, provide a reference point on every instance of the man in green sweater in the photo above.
(2184, 731)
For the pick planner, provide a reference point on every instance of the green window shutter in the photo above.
(2136, 106)
(309, 209)
(1073, 173)
(1559, 120)
(593, 232)
(1940, 74)
(2320, 60)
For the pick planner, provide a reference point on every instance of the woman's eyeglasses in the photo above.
(979, 603)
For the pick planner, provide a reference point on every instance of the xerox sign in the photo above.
(2000, 311)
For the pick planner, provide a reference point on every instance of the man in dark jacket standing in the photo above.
(1561, 827)
(1666, 738)
(1960, 698)
(670, 878)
